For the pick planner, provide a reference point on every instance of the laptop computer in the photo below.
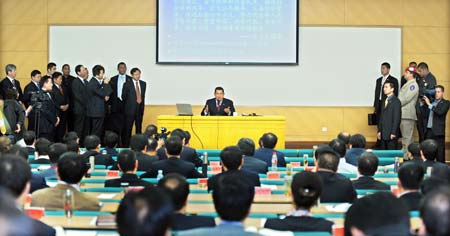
(184, 109)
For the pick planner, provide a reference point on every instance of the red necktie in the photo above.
(218, 105)
(138, 93)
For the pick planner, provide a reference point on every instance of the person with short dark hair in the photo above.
(71, 136)
(79, 100)
(187, 153)
(357, 147)
(435, 213)
(73, 146)
(128, 165)
(98, 92)
(306, 188)
(134, 100)
(138, 144)
(436, 118)
(111, 141)
(10, 82)
(151, 131)
(15, 175)
(232, 200)
(336, 187)
(92, 144)
(51, 69)
(247, 147)
(231, 159)
(29, 137)
(380, 96)
(339, 147)
(367, 166)
(45, 110)
(426, 83)
(390, 118)
(414, 153)
(218, 106)
(268, 143)
(380, 213)
(178, 189)
(345, 137)
(429, 152)
(42, 146)
(173, 164)
(70, 170)
(410, 176)
(54, 153)
(60, 97)
(115, 118)
(29, 89)
(146, 212)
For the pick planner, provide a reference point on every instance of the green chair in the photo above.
(289, 152)
(388, 153)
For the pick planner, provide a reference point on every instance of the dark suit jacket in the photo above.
(6, 84)
(96, 93)
(114, 102)
(412, 200)
(251, 177)
(173, 165)
(41, 229)
(15, 115)
(211, 103)
(390, 119)
(336, 188)
(378, 90)
(433, 164)
(48, 115)
(129, 97)
(60, 98)
(67, 83)
(368, 182)
(185, 222)
(145, 161)
(31, 150)
(100, 159)
(353, 154)
(29, 89)
(37, 182)
(302, 223)
(254, 165)
(265, 154)
(111, 151)
(79, 97)
(439, 117)
(188, 154)
(131, 179)
(426, 83)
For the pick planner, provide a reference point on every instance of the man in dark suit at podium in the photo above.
(218, 106)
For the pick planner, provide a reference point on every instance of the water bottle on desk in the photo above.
(274, 161)
(159, 176)
(288, 169)
(305, 160)
(396, 165)
(68, 203)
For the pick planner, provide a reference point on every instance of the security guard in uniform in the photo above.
(408, 97)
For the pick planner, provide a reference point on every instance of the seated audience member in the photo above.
(152, 147)
(70, 171)
(345, 137)
(410, 176)
(5, 144)
(439, 177)
(188, 138)
(357, 147)
(336, 187)
(36, 182)
(339, 147)
(92, 144)
(367, 166)
(146, 212)
(42, 146)
(429, 151)
(173, 163)
(127, 164)
(15, 176)
(29, 137)
(111, 140)
(138, 144)
(414, 153)
(232, 200)
(306, 188)
(187, 154)
(268, 142)
(247, 147)
(231, 159)
(151, 131)
(435, 213)
(54, 152)
(177, 188)
(71, 137)
(73, 146)
(377, 214)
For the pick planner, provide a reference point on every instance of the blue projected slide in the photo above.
(227, 31)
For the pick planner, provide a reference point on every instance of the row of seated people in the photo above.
(157, 210)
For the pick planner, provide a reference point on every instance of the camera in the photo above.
(37, 99)
(163, 135)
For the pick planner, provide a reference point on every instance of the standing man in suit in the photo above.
(390, 118)
(218, 106)
(10, 82)
(31, 88)
(426, 82)
(61, 100)
(79, 101)
(380, 96)
(408, 97)
(134, 101)
(48, 117)
(98, 91)
(67, 83)
(116, 117)
(436, 118)
(51, 68)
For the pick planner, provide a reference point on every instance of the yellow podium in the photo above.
(217, 132)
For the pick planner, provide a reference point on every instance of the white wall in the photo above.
(337, 66)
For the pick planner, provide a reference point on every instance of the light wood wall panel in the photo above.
(426, 37)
